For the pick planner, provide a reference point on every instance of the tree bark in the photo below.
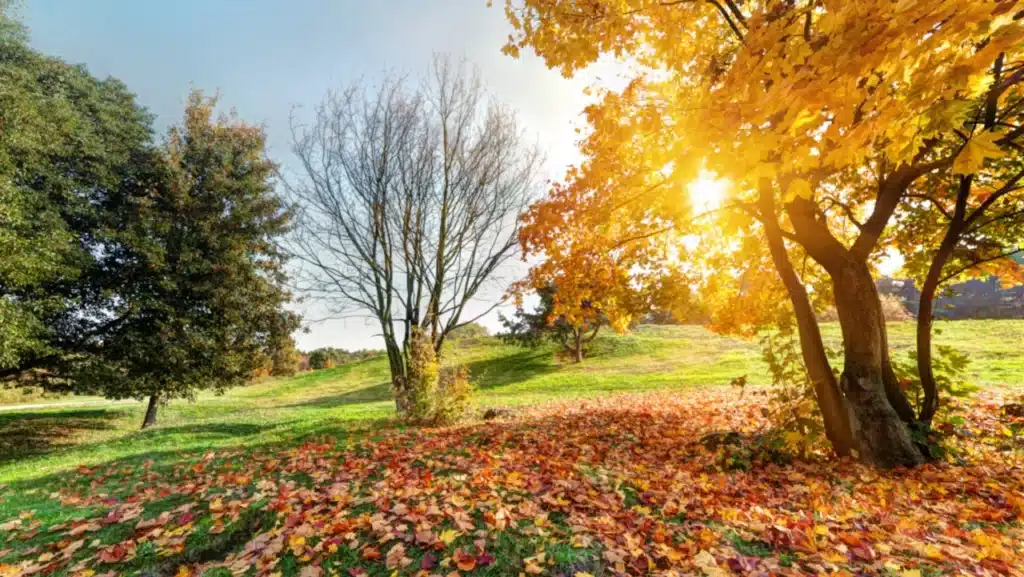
(882, 435)
(150, 419)
(834, 410)
(925, 312)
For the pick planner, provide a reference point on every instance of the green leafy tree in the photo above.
(71, 148)
(530, 329)
(11, 28)
(203, 301)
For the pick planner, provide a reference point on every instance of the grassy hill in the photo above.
(41, 441)
(310, 476)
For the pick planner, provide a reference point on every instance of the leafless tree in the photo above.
(409, 201)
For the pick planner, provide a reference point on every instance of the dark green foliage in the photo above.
(328, 357)
(71, 148)
(530, 329)
(203, 305)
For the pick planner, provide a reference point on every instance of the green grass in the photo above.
(40, 449)
(38, 442)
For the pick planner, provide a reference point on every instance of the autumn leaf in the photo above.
(448, 536)
(464, 561)
(113, 554)
(972, 156)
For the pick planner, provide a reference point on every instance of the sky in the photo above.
(270, 59)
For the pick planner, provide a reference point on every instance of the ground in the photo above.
(309, 476)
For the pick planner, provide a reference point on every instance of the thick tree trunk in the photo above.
(150, 418)
(882, 435)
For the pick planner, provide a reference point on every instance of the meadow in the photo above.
(314, 470)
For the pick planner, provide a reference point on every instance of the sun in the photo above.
(707, 192)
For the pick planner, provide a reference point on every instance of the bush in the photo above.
(433, 396)
(894, 310)
(454, 395)
(469, 331)
(950, 368)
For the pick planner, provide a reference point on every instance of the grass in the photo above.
(97, 452)
(38, 442)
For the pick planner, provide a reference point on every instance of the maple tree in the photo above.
(823, 116)
(530, 329)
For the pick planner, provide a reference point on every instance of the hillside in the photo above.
(40, 441)
(310, 476)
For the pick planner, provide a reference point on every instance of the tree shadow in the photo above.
(24, 435)
(511, 369)
(371, 394)
(208, 430)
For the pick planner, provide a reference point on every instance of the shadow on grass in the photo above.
(511, 369)
(207, 430)
(167, 460)
(371, 394)
(24, 435)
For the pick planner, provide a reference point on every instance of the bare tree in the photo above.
(409, 203)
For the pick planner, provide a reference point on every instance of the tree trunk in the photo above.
(882, 435)
(926, 309)
(834, 408)
(577, 347)
(150, 418)
(924, 327)
(397, 358)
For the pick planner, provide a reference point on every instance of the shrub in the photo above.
(469, 331)
(949, 367)
(432, 396)
(453, 395)
(894, 310)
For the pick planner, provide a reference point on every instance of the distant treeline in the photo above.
(329, 357)
(973, 299)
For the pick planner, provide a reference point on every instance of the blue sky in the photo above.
(268, 57)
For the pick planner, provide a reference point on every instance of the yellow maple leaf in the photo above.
(972, 156)
(911, 573)
(448, 535)
(582, 574)
(798, 188)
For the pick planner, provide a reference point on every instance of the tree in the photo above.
(977, 212)
(469, 331)
(203, 280)
(531, 329)
(285, 358)
(11, 28)
(822, 117)
(409, 204)
(72, 147)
